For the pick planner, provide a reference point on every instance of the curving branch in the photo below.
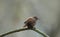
(40, 32)
(23, 29)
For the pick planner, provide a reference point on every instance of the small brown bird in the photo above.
(30, 22)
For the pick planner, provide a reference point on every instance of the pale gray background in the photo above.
(14, 12)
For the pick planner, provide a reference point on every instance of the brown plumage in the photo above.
(30, 22)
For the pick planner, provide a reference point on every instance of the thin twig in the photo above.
(40, 32)
(23, 29)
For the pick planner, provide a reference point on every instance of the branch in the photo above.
(38, 31)
(23, 29)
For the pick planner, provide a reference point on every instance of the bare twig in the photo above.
(23, 29)
(40, 32)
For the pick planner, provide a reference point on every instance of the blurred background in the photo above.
(14, 12)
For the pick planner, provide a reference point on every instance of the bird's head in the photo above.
(35, 17)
